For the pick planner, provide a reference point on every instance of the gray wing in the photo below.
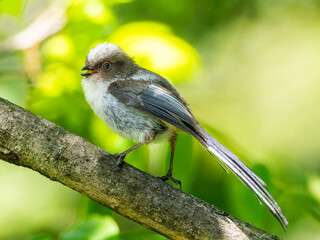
(157, 101)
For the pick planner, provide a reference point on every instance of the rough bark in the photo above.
(30, 141)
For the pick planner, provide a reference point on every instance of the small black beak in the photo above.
(90, 71)
(86, 68)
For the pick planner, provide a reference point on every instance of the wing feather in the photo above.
(157, 101)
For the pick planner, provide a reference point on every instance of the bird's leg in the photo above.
(121, 156)
(168, 176)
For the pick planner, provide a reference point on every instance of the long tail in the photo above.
(245, 174)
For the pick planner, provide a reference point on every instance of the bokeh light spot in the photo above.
(153, 46)
(97, 12)
(56, 80)
(59, 46)
(314, 186)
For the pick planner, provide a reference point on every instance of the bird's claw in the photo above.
(175, 181)
(120, 161)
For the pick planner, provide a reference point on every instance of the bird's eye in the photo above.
(106, 66)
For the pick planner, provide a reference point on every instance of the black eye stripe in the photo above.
(106, 66)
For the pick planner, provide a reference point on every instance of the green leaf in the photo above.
(95, 228)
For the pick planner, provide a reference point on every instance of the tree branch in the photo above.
(33, 142)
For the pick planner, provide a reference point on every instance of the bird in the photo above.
(144, 107)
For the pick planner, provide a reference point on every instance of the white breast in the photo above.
(94, 93)
(121, 119)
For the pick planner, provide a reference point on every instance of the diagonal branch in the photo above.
(33, 142)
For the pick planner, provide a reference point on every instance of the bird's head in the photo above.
(108, 61)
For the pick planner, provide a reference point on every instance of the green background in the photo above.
(249, 70)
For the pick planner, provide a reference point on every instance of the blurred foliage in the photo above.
(248, 68)
(94, 228)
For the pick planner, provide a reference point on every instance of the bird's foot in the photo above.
(120, 161)
(168, 177)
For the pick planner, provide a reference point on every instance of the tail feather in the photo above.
(245, 174)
